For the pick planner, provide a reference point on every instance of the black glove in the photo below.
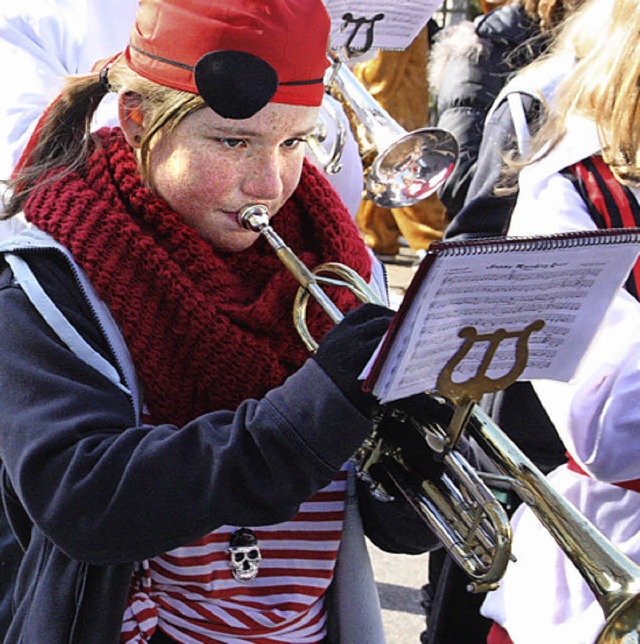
(345, 350)
(396, 426)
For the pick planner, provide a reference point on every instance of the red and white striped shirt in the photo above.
(191, 594)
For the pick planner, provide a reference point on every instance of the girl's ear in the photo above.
(131, 117)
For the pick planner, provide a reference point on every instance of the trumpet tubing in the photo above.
(612, 577)
(457, 505)
(256, 218)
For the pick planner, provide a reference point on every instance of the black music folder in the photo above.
(568, 281)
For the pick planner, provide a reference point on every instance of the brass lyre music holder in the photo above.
(466, 394)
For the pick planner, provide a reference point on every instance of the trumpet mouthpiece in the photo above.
(254, 218)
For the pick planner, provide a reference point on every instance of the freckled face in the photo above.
(209, 168)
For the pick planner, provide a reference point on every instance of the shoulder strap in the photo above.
(520, 124)
(610, 203)
(124, 378)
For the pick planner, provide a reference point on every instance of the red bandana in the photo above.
(205, 330)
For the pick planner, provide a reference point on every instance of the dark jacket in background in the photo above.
(485, 213)
(470, 64)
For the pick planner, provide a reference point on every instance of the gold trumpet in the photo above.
(458, 506)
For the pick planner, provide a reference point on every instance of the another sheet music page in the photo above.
(378, 24)
(567, 281)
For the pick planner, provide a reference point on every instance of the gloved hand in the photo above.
(345, 350)
(397, 428)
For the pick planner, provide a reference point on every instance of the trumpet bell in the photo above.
(401, 168)
(412, 168)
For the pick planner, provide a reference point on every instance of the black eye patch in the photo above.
(235, 84)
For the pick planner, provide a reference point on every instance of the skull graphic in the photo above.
(244, 555)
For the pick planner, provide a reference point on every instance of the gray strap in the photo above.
(59, 323)
(354, 608)
(519, 119)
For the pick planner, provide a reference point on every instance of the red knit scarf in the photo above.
(206, 330)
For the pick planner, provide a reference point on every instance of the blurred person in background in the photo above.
(471, 62)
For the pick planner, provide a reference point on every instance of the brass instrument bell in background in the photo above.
(401, 168)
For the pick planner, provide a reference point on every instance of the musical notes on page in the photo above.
(566, 281)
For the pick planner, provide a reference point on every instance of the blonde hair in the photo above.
(65, 141)
(604, 85)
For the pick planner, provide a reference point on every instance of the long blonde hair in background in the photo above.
(604, 36)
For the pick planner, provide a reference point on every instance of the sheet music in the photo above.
(568, 288)
(379, 24)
